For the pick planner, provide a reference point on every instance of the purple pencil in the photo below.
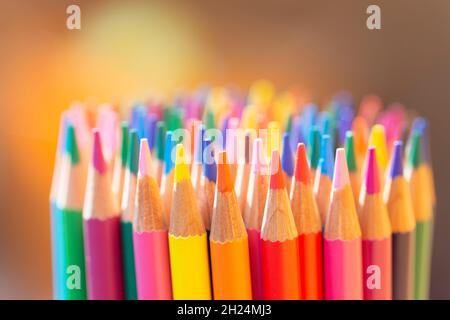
(102, 231)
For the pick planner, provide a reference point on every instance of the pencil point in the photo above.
(98, 160)
(224, 183)
(168, 160)
(286, 156)
(145, 161)
(350, 151)
(276, 173)
(133, 151)
(301, 168)
(149, 129)
(378, 140)
(159, 144)
(314, 147)
(326, 154)
(198, 147)
(209, 165)
(372, 173)
(71, 145)
(397, 161)
(181, 167)
(414, 152)
(124, 143)
(340, 177)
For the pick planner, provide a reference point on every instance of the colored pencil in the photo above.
(309, 228)
(243, 174)
(68, 221)
(167, 177)
(101, 231)
(279, 247)
(423, 212)
(399, 204)
(187, 238)
(150, 235)
(287, 161)
(55, 221)
(120, 163)
(323, 178)
(196, 167)
(376, 237)
(355, 179)
(314, 149)
(207, 188)
(258, 186)
(361, 136)
(231, 146)
(159, 151)
(230, 263)
(342, 239)
(127, 215)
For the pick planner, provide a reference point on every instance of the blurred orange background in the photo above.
(129, 49)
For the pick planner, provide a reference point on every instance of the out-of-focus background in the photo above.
(128, 49)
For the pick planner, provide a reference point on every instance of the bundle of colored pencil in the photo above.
(281, 202)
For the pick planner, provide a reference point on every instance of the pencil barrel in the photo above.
(377, 269)
(403, 253)
(254, 247)
(230, 268)
(424, 231)
(189, 264)
(152, 265)
(103, 259)
(129, 273)
(280, 270)
(68, 226)
(343, 272)
(311, 267)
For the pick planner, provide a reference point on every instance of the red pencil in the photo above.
(279, 240)
(309, 227)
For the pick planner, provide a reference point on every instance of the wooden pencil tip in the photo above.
(181, 167)
(302, 168)
(145, 162)
(224, 182)
(276, 173)
(340, 177)
(98, 160)
(372, 174)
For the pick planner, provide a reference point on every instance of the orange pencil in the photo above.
(254, 210)
(230, 263)
(279, 246)
(309, 227)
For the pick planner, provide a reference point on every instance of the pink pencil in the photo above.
(342, 239)
(151, 249)
(376, 237)
(258, 186)
(102, 231)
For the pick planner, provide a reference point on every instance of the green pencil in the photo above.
(128, 201)
(68, 216)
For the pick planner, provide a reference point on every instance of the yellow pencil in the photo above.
(187, 239)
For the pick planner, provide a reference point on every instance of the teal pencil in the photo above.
(128, 205)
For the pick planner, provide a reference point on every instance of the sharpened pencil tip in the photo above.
(181, 167)
(168, 160)
(372, 174)
(350, 151)
(98, 160)
(145, 161)
(378, 140)
(209, 164)
(71, 145)
(224, 182)
(276, 173)
(302, 168)
(286, 156)
(340, 177)
(397, 161)
(133, 151)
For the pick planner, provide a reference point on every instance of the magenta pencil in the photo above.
(102, 231)
(342, 239)
(376, 237)
(150, 235)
